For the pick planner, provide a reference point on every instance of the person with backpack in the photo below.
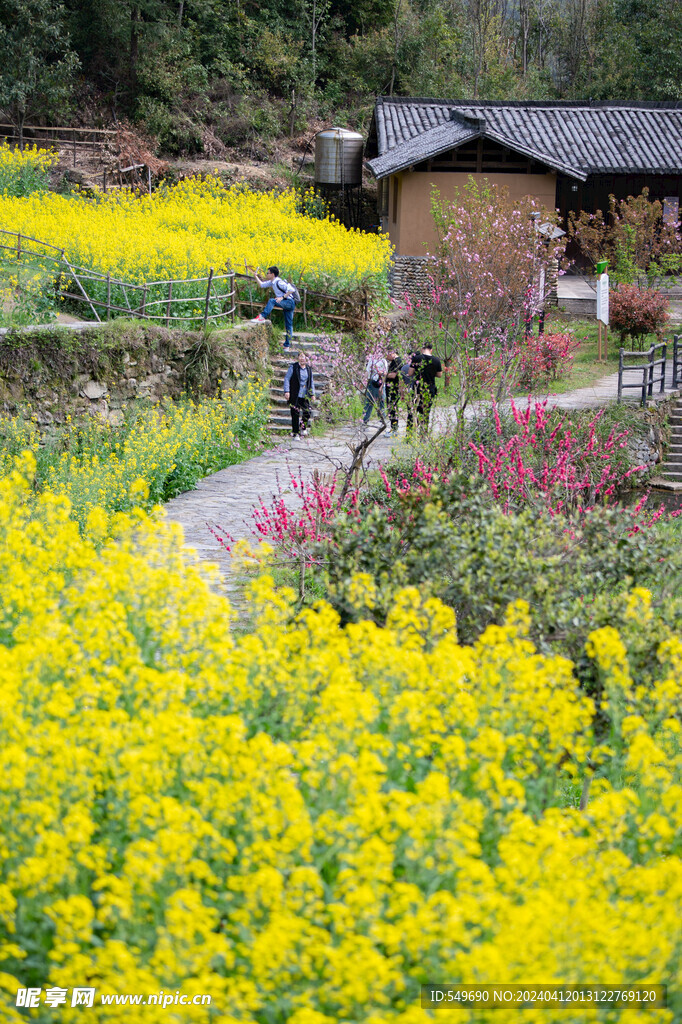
(424, 368)
(299, 388)
(376, 371)
(285, 298)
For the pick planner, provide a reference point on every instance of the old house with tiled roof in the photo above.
(569, 156)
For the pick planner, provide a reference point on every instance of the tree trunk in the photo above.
(524, 13)
(134, 46)
(292, 114)
(396, 44)
(181, 9)
(21, 121)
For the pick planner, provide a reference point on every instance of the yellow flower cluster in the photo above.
(163, 451)
(180, 232)
(309, 821)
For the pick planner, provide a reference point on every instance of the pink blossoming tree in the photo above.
(491, 271)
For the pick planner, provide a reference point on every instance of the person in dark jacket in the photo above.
(299, 389)
(424, 368)
(393, 388)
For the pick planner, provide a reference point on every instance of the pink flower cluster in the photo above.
(294, 527)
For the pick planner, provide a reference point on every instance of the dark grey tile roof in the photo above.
(580, 140)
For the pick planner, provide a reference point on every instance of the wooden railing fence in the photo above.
(646, 385)
(76, 138)
(349, 310)
(81, 284)
(215, 297)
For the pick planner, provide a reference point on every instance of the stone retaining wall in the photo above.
(410, 276)
(55, 372)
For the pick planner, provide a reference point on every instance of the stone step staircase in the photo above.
(280, 416)
(671, 469)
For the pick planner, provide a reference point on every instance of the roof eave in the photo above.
(554, 165)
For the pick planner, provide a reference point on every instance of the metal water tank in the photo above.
(338, 158)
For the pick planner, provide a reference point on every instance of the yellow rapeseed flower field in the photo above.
(180, 232)
(310, 821)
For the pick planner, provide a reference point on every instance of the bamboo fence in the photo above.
(216, 297)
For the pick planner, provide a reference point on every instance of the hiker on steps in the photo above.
(286, 296)
(299, 388)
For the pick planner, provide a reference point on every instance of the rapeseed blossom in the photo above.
(179, 232)
(24, 171)
(160, 452)
(311, 820)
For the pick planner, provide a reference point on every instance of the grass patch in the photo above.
(27, 294)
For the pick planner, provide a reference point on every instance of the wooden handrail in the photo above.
(57, 128)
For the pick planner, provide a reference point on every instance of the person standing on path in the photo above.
(393, 388)
(424, 368)
(376, 371)
(299, 388)
(285, 297)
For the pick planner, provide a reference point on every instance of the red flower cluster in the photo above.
(545, 357)
(552, 465)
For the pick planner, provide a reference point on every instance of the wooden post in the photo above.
(652, 358)
(620, 375)
(305, 309)
(233, 294)
(144, 300)
(19, 245)
(149, 180)
(208, 295)
(108, 295)
(663, 366)
(77, 279)
(73, 135)
(676, 338)
(606, 341)
(246, 271)
(104, 181)
(168, 304)
(599, 341)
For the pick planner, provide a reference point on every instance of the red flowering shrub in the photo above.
(637, 312)
(545, 357)
(552, 466)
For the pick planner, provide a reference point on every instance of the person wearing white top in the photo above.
(284, 297)
(376, 370)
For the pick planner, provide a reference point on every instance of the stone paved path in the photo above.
(227, 498)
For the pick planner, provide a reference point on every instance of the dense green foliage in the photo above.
(449, 540)
(199, 75)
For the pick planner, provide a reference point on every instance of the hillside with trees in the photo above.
(201, 75)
